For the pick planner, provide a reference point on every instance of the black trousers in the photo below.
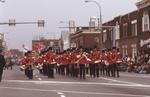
(113, 70)
(117, 69)
(26, 71)
(72, 70)
(50, 70)
(1, 73)
(30, 74)
(108, 69)
(97, 69)
(102, 69)
(62, 68)
(45, 69)
(67, 70)
(93, 70)
(82, 71)
(76, 70)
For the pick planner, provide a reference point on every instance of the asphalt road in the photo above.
(15, 84)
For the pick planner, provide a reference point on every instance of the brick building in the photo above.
(131, 31)
(85, 38)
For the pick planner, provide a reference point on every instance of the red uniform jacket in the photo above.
(112, 58)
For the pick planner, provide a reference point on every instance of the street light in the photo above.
(100, 17)
(12, 22)
(3, 1)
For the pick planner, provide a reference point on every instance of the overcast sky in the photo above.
(53, 11)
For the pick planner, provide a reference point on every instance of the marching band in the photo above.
(73, 63)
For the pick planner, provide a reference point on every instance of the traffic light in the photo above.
(41, 23)
(12, 22)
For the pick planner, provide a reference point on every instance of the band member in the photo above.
(103, 59)
(59, 62)
(96, 59)
(51, 62)
(74, 69)
(29, 64)
(23, 63)
(82, 62)
(67, 62)
(40, 64)
(44, 62)
(113, 61)
(91, 64)
(108, 62)
(63, 63)
(119, 60)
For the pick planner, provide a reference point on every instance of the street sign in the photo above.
(12, 22)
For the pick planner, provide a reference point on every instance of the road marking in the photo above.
(79, 83)
(39, 79)
(62, 96)
(74, 92)
(136, 75)
(60, 93)
(113, 80)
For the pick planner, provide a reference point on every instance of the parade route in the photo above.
(15, 84)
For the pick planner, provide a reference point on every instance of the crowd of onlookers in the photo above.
(9, 63)
(139, 64)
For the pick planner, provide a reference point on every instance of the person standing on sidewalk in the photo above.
(2, 64)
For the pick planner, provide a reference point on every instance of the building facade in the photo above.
(131, 31)
(85, 38)
(1, 41)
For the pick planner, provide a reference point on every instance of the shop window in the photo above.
(145, 22)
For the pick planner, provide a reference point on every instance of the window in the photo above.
(125, 29)
(125, 51)
(134, 27)
(134, 50)
(117, 31)
(145, 22)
